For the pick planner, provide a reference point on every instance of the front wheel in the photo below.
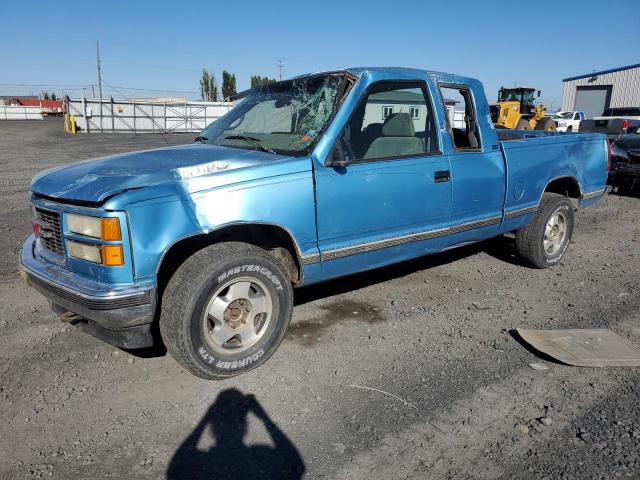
(546, 124)
(544, 241)
(225, 310)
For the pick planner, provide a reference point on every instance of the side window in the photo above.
(393, 119)
(463, 123)
(576, 116)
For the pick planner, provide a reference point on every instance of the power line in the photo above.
(80, 86)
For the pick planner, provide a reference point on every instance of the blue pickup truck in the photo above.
(305, 180)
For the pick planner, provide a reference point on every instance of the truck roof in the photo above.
(402, 71)
(384, 73)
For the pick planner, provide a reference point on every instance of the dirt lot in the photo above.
(433, 332)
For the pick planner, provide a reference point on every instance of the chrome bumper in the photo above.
(112, 312)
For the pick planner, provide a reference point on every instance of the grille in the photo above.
(50, 235)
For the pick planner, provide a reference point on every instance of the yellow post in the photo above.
(66, 122)
(73, 123)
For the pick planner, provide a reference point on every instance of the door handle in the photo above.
(441, 176)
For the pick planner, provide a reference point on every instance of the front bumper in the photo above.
(121, 316)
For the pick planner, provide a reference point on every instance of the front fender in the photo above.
(286, 201)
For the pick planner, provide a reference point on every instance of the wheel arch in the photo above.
(276, 239)
(567, 185)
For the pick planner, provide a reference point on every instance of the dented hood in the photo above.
(98, 179)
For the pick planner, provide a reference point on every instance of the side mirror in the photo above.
(337, 158)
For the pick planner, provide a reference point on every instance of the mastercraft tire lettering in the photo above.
(225, 310)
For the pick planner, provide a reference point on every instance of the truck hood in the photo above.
(98, 179)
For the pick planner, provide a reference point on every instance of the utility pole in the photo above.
(280, 65)
(99, 72)
(99, 81)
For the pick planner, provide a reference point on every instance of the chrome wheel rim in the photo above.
(555, 234)
(237, 315)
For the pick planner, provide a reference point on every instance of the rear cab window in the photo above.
(461, 117)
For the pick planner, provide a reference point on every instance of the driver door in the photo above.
(389, 201)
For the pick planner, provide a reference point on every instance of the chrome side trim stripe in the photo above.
(310, 259)
(413, 237)
(597, 193)
(520, 211)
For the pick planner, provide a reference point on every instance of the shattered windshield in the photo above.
(285, 117)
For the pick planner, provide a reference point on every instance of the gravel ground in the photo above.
(434, 332)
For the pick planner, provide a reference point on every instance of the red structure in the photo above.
(49, 107)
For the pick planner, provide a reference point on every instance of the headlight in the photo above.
(83, 251)
(95, 227)
(108, 255)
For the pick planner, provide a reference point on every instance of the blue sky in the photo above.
(163, 45)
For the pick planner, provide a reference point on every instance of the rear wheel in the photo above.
(523, 124)
(543, 242)
(546, 124)
(225, 310)
(569, 129)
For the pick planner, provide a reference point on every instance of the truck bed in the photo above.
(535, 158)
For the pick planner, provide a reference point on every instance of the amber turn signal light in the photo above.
(112, 255)
(111, 229)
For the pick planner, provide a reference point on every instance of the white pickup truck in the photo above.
(568, 121)
(614, 122)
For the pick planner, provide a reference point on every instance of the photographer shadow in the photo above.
(230, 458)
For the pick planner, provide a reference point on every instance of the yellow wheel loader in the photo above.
(516, 109)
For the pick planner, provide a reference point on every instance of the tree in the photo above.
(45, 95)
(208, 86)
(205, 86)
(53, 96)
(213, 89)
(258, 81)
(228, 85)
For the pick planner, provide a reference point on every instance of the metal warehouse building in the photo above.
(593, 92)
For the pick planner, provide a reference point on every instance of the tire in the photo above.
(523, 124)
(229, 289)
(569, 129)
(547, 124)
(533, 242)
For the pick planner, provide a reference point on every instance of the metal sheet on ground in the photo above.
(598, 347)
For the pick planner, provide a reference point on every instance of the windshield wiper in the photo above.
(255, 141)
(201, 139)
